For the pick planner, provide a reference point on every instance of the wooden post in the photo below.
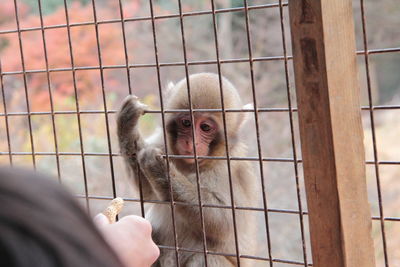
(328, 98)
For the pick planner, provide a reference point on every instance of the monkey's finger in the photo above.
(134, 102)
(128, 100)
(133, 97)
(142, 108)
(129, 97)
(159, 155)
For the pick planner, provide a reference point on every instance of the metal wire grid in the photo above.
(280, 6)
(376, 164)
(157, 65)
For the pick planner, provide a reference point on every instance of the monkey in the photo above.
(160, 181)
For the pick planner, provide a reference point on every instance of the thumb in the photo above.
(100, 220)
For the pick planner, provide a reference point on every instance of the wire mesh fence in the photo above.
(371, 109)
(67, 65)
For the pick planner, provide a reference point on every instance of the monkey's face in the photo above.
(205, 131)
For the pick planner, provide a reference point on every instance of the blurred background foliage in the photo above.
(383, 18)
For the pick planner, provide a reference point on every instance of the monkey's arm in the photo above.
(154, 167)
(129, 138)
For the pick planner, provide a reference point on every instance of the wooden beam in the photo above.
(328, 98)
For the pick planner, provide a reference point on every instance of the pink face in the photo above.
(205, 129)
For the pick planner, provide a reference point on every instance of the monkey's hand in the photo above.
(128, 115)
(129, 137)
(154, 167)
(152, 163)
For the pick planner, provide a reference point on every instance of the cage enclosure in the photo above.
(321, 77)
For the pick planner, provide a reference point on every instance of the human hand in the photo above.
(130, 238)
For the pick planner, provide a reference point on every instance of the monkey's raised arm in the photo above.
(129, 138)
(154, 167)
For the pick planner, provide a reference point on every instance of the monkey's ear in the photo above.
(245, 116)
(169, 88)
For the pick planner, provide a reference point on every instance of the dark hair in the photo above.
(41, 224)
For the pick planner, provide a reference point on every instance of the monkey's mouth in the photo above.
(189, 158)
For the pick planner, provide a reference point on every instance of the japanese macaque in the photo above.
(213, 175)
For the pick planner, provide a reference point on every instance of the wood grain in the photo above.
(331, 132)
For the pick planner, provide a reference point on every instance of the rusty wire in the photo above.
(128, 76)
(177, 203)
(372, 120)
(228, 161)
(46, 59)
(76, 102)
(189, 63)
(196, 162)
(114, 190)
(293, 141)
(148, 18)
(364, 108)
(171, 202)
(264, 159)
(259, 150)
(6, 117)
(21, 50)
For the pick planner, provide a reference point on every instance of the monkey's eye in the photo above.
(186, 123)
(205, 127)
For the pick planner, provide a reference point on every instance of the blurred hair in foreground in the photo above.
(42, 225)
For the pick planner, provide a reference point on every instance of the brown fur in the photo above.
(213, 177)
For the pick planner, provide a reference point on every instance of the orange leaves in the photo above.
(83, 42)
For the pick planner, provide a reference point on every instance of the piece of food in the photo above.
(113, 209)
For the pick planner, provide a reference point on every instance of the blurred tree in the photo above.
(84, 52)
(7, 13)
(50, 6)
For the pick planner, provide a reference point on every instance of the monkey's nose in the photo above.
(189, 145)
